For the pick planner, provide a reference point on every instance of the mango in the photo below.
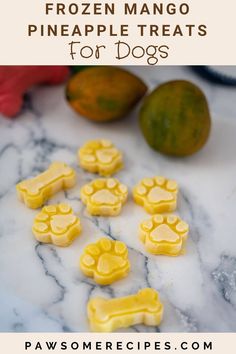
(175, 118)
(104, 93)
(76, 68)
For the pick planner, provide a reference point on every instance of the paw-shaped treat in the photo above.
(105, 261)
(104, 197)
(107, 315)
(56, 224)
(100, 156)
(164, 234)
(35, 191)
(15, 81)
(156, 195)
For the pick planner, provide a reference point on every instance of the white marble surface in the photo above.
(41, 287)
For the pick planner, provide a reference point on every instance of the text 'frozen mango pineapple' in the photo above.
(164, 235)
(35, 191)
(104, 197)
(100, 156)
(56, 224)
(107, 315)
(106, 261)
(156, 195)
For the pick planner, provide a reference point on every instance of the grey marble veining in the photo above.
(41, 286)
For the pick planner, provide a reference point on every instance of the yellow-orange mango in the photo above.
(104, 93)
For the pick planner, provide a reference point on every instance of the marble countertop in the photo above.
(41, 286)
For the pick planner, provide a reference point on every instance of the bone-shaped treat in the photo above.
(107, 315)
(35, 191)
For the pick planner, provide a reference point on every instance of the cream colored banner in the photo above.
(58, 343)
(124, 32)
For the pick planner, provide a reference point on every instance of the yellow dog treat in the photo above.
(105, 261)
(164, 235)
(35, 191)
(56, 224)
(156, 195)
(104, 197)
(100, 156)
(141, 308)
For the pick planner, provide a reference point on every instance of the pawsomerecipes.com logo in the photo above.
(109, 346)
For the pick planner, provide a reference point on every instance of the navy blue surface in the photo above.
(207, 73)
